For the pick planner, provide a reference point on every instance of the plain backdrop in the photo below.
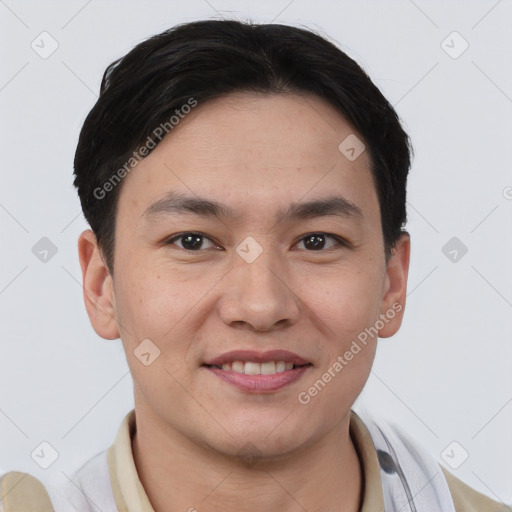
(445, 66)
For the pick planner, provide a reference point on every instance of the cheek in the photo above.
(164, 307)
(345, 303)
(147, 306)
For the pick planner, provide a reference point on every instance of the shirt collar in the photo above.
(127, 487)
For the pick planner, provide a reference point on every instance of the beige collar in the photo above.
(127, 487)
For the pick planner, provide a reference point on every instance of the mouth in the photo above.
(256, 372)
(255, 368)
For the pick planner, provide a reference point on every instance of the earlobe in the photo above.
(97, 286)
(395, 287)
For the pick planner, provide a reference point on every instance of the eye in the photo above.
(191, 241)
(317, 241)
(194, 241)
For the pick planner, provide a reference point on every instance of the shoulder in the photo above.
(417, 466)
(89, 487)
(467, 499)
(21, 492)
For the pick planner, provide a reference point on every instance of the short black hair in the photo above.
(208, 59)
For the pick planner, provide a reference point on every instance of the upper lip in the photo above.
(257, 357)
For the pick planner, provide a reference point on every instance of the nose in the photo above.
(259, 295)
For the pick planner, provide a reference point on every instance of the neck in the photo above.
(179, 475)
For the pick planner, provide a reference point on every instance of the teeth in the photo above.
(252, 368)
(268, 368)
(237, 366)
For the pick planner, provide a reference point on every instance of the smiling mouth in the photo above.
(255, 368)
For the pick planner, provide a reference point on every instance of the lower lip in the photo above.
(259, 383)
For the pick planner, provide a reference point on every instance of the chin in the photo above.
(251, 451)
(269, 440)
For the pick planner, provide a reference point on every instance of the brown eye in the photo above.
(190, 241)
(317, 241)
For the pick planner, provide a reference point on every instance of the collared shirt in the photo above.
(127, 488)
(110, 479)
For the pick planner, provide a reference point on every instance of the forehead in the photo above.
(249, 150)
(287, 130)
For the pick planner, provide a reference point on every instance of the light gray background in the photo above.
(444, 377)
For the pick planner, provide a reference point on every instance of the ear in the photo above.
(394, 290)
(97, 286)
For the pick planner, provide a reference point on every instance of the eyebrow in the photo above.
(177, 203)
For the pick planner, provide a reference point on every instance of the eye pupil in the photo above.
(310, 243)
(192, 241)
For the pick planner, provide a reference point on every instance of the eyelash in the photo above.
(341, 242)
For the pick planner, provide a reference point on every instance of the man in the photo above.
(245, 185)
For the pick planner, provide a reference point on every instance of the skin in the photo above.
(201, 442)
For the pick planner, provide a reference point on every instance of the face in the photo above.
(249, 305)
